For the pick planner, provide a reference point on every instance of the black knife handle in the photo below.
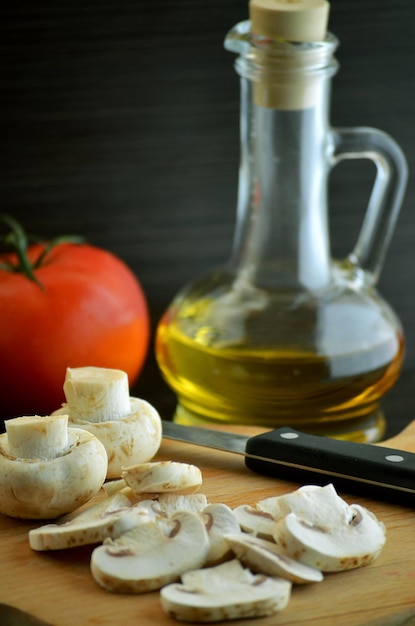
(373, 471)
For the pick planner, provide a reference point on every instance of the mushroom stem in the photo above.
(35, 437)
(97, 394)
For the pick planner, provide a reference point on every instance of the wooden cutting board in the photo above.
(58, 588)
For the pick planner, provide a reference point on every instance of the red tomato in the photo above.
(88, 309)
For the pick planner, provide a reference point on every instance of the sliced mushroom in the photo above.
(260, 518)
(220, 521)
(113, 486)
(152, 509)
(166, 504)
(224, 592)
(256, 521)
(162, 476)
(172, 502)
(46, 468)
(108, 518)
(218, 518)
(98, 401)
(329, 534)
(151, 555)
(272, 506)
(322, 500)
(265, 557)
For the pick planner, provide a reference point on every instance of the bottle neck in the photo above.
(282, 233)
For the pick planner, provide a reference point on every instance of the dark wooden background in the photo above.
(119, 121)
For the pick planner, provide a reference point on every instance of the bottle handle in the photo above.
(386, 196)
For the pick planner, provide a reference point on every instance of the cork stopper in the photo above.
(291, 21)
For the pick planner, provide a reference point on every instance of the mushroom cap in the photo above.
(224, 592)
(134, 438)
(151, 555)
(49, 488)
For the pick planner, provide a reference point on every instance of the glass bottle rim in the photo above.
(257, 52)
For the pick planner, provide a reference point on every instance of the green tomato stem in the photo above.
(19, 241)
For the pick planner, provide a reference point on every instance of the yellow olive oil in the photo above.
(334, 394)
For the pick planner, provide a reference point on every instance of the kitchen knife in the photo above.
(374, 471)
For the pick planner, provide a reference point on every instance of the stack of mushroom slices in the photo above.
(210, 562)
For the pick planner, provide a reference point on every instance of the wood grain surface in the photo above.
(58, 587)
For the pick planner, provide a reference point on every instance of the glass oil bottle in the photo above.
(283, 334)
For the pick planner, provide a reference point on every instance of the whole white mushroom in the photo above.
(98, 401)
(46, 468)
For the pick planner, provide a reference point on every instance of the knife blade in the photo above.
(12, 616)
(377, 472)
